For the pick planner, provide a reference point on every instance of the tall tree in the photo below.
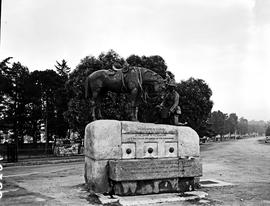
(5, 88)
(267, 131)
(135, 60)
(14, 98)
(62, 97)
(62, 69)
(257, 127)
(155, 63)
(231, 123)
(195, 104)
(109, 59)
(243, 126)
(78, 112)
(217, 121)
(48, 103)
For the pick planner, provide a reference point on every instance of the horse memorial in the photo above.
(132, 158)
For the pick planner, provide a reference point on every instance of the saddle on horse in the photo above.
(127, 74)
(114, 70)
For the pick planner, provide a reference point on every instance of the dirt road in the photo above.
(244, 163)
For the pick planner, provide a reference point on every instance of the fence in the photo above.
(26, 150)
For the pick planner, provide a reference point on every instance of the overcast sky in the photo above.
(224, 42)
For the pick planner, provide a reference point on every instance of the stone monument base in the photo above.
(132, 158)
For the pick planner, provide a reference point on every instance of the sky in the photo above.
(224, 42)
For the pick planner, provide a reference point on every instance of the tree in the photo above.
(78, 113)
(267, 131)
(48, 104)
(109, 59)
(62, 98)
(231, 123)
(195, 104)
(155, 63)
(243, 126)
(135, 60)
(62, 69)
(5, 88)
(256, 127)
(217, 121)
(14, 98)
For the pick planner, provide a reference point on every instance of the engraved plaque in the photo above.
(143, 169)
(148, 169)
(142, 128)
(148, 137)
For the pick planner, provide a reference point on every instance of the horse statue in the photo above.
(130, 80)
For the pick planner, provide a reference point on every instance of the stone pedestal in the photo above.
(130, 158)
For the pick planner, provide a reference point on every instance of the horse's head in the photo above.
(160, 87)
(149, 77)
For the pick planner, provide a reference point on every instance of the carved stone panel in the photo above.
(148, 169)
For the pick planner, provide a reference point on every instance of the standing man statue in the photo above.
(169, 108)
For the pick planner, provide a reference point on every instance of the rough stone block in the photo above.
(96, 175)
(103, 140)
(188, 142)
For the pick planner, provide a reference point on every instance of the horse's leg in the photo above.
(134, 94)
(136, 112)
(93, 109)
(98, 108)
(93, 103)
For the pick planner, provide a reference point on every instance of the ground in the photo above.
(245, 163)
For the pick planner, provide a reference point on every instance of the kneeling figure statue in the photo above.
(169, 107)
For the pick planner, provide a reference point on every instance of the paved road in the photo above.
(245, 163)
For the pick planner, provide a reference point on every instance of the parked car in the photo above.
(267, 139)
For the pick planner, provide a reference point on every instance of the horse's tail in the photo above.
(87, 88)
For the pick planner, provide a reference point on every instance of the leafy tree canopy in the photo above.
(195, 103)
(155, 63)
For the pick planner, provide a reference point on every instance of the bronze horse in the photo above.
(130, 80)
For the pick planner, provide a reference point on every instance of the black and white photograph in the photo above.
(135, 102)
